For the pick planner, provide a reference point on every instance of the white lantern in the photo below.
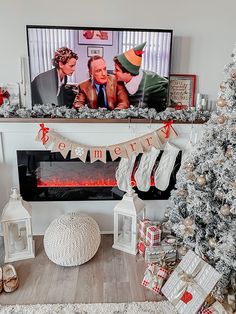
(127, 214)
(17, 229)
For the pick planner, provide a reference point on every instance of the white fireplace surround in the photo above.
(21, 136)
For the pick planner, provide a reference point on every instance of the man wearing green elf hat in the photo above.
(145, 88)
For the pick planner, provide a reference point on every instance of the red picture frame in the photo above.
(95, 37)
(182, 90)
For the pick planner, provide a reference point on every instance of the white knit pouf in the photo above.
(72, 239)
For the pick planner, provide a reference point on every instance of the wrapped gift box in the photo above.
(141, 247)
(170, 239)
(215, 308)
(143, 224)
(190, 283)
(153, 235)
(163, 251)
(154, 277)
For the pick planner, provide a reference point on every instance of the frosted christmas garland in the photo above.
(52, 111)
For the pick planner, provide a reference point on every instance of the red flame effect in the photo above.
(100, 182)
(71, 183)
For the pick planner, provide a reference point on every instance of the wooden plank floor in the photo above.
(110, 276)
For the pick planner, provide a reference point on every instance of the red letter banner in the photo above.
(133, 146)
(117, 151)
(150, 140)
(98, 153)
(62, 146)
(79, 151)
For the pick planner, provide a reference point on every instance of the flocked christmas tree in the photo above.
(203, 206)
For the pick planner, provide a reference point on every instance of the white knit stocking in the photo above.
(143, 174)
(124, 172)
(165, 167)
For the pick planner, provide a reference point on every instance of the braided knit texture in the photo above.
(124, 172)
(143, 174)
(72, 239)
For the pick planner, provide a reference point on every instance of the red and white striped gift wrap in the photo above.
(143, 224)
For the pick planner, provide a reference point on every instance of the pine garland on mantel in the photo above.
(52, 111)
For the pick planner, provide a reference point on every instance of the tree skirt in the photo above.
(163, 307)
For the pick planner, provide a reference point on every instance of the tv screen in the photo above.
(109, 68)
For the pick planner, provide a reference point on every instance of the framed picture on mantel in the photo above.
(182, 90)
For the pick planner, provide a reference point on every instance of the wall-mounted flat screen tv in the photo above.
(94, 67)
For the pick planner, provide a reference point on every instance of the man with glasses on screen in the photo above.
(145, 88)
(50, 87)
(101, 90)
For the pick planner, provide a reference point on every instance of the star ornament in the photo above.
(79, 151)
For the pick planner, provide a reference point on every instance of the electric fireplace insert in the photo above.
(47, 176)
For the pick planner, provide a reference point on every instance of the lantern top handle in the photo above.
(130, 191)
(15, 193)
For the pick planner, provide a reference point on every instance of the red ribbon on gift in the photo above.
(167, 126)
(44, 131)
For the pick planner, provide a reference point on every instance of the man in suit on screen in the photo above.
(102, 89)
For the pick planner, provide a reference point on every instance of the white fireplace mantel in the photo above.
(21, 136)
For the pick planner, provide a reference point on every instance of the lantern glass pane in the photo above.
(140, 215)
(124, 230)
(17, 236)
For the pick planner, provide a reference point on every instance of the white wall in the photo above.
(204, 31)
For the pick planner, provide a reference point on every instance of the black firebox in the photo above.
(47, 176)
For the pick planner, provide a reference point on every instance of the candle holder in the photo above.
(127, 213)
(17, 229)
